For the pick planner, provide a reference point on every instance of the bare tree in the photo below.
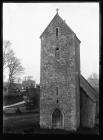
(19, 80)
(27, 82)
(29, 77)
(94, 81)
(11, 62)
(15, 68)
(7, 53)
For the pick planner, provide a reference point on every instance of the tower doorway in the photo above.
(57, 119)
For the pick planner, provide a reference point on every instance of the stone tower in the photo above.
(59, 76)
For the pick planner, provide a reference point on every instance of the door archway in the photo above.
(57, 119)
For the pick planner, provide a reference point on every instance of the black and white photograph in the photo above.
(51, 68)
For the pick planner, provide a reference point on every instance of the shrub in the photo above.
(18, 111)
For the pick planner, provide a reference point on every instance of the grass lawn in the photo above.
(80, 131)
(19, 123)
(8, 100)
(29, 124)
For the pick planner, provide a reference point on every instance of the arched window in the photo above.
(57, 53)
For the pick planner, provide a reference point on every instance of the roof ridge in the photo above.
(49, 24)
(57, 15)
(89, 84)
(94, 95)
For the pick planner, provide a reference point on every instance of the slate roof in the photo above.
(89, 90)
(57, 16)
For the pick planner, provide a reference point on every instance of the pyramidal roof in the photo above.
(58, 17)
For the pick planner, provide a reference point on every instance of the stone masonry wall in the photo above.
(77, 70)
(58, 73)
(88, 108)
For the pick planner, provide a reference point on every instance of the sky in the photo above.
(23, 23)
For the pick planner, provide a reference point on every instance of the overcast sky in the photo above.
(23, 24)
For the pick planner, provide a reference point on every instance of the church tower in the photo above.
(59, 76)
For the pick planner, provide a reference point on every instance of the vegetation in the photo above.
(33, 95)
(19, 123)
(93, 79)
(29, 124)
(11, 63)
(8, 100)
(28, 82)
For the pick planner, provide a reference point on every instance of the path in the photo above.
(19, 103)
